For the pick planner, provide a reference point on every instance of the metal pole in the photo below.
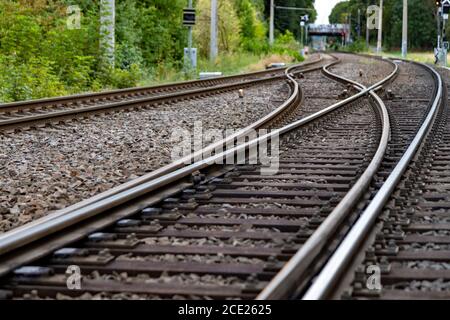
(367, 30)
(190, 29)
(438, 20)
(107, 35)
(349, 27)
(272, 22)
(380, 28)
(213, 42)
(359, 23)
(190, 40)
(306, 34)
(405, 29)
(303, 32)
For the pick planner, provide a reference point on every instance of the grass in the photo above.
(424, 57)
(227, 64)
(418, 56)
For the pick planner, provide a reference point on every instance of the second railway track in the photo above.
(38, 113)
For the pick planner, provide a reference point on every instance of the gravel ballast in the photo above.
(51, 168)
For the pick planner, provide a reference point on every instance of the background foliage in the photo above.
(421, 15)
(41, 57)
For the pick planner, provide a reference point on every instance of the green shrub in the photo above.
(24, 81)
(285, 44)
(356, 46)
(120, 78)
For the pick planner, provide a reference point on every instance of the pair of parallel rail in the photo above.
(190, 201)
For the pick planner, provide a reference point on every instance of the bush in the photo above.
(356, 46)
(286, 44)
(24, 81)
(120, 78)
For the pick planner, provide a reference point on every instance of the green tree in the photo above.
(229, 27)
(253, 30)
(421, 26)
(290, 19)
(339, 13)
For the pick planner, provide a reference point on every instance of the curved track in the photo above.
(213, 223)
(413, 116)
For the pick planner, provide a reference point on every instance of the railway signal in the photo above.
(190, 54)
(189, 17)
(446, 8)
(405, 29)
(303, 20)
(443, 10)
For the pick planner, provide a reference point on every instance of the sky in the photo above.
(324, 8)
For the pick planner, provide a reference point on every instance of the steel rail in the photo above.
(287, 280)
(179, 163)
(128, 104)
(19, 237)
(335, 266)
(174, 85)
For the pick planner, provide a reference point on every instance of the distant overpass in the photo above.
(337, 30)
(318, 34)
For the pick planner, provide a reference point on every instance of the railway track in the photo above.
(38, 113)
(228, 229)
(406, 230)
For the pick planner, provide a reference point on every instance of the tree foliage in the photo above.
(421, 24)
(41, 57)
(289, 20)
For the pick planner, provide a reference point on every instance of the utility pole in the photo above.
(359, 23)
(272, 22)
(213, 42)
(367, 30)
(190, 33)
(107, 35)
(349, 27)
(405, 29)
(380, 28)
(190, 54)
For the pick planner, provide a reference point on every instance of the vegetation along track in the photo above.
(37, 113)
(207, 231)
